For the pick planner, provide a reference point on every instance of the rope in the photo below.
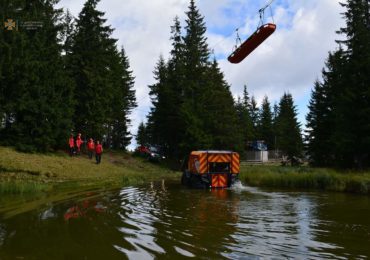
(237, 39)
(272, 15)
(262, 18)
(225, 38)
(262, 13)
(261, 22)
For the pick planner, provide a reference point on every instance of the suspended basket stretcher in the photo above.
(262, 33)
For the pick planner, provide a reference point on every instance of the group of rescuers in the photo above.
(75, 147)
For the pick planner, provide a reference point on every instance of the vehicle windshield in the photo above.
(217, 167)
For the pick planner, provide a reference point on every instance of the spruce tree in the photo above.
(123, 101)
(254, 114)
(67, 33)
(196, 47)
(321, 119)
(265, 124)
(61, 68)
(289, 139)
(192, 107)
(12, 44)
(241, 119)
(176, 82)
(275, 113)
(91, 60)
(250, 129)
(142, 135)
(219, 112)
(158, 116)
(165, 122)
(339, 121)
(38, 107)
(245, 121)
(352, 135)
(196, 55)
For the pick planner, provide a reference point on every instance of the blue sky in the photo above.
(290, 60)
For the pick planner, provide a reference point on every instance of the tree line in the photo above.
(338, 122)
(193, 108)
(70, 76)
(65, 76)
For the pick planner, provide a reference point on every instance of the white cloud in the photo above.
(290, 60)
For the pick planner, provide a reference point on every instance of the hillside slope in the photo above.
(20, 172)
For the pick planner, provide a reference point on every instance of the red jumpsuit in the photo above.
(98, 152)
(71, 143)
(90, 148)
(78, 143)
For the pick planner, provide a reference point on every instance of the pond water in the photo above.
(166, 220)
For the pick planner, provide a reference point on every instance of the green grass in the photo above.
(306, 178)
(30, 173)
(18, 187)
(40, 173)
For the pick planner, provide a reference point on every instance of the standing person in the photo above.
(71, 143)
(78, 143)
(98, 151)
(90, 147)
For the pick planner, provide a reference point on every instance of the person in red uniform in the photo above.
(98, 151)
(71, 143)
(90, 147)
(78, 143)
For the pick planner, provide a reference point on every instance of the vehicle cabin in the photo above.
(215, 169)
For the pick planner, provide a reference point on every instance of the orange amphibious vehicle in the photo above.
(211, 169)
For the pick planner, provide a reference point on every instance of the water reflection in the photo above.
(2, 235)
(163, 220)
(156, 221)
(138, 213)
(83, 209)
(276, 224)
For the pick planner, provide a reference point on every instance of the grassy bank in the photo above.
(27, 173)
(32, 173)
(305, 178)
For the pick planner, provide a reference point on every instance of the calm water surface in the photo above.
(166, 220)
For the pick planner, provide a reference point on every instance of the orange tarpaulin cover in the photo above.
(252, 42)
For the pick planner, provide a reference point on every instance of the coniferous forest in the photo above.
(66, 76)
(193, 108)
(338, 123)
(69, 76)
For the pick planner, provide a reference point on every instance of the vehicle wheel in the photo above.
(183, 178)
(196, 182)
(186, 178)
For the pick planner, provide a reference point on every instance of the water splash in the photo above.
(240, 187)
